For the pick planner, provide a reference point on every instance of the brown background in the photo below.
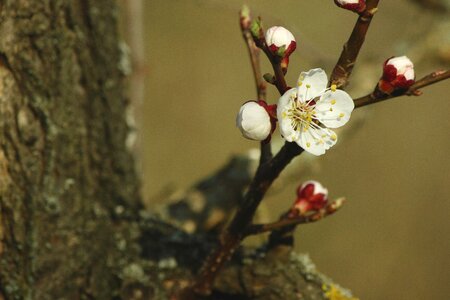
(391, 241)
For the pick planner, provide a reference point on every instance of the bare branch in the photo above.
(344, 66)
(377, 96)
(286, 222)
(235, 233)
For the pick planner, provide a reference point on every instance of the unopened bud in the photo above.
(357, 6)
(280, 41)
(255, 28)
(254, 120)
(311, 196)
(245, 18)
(269, 78)
(398, 74)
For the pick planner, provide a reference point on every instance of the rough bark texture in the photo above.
(64, 169)
(71, 225)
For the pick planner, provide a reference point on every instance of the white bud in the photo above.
(403, 65)
(277, 37)
(253, 121)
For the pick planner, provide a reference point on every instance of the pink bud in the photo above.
(398, 73)
(353, 5)
(311, 196)
(280, 41)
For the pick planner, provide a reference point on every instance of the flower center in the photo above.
(301, 115)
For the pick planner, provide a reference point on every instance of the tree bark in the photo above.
(64, 168)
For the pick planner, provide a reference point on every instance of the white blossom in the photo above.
(306, 113)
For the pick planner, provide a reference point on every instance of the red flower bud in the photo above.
(357, 6)
(311, 196)
(398, 74)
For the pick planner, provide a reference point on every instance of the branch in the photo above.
(280, 81)
(260, 42)
(377, 96)
(253, 51)
(286, 222)
(235, 233)
(427, 80)
(266, 173)
(344, 66)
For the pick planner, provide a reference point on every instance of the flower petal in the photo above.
(310, 84)
(286, 99)
(317, 140)
(334, 108)
(284, 104)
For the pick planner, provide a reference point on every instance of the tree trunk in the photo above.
(64, 167)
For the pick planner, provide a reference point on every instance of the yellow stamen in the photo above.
(333, 137)
(300, 83)
(341, 115)
(308, 145)
(333, 87)
(300, 114)
(333, 102)
(308, 86)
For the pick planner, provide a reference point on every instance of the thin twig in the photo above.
(344, 66)
(428, 80)
(280, 80)
(285, 222)
(275, 60)
(260, 84)
(253, 52)
(376, 96)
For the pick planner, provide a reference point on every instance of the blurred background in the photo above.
(392, 238)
